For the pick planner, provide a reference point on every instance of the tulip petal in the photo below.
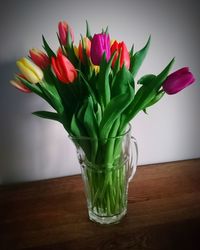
(62, 29)
(124, 54)
(39, 58)
(67, 67)
(54, 66)
(178, 80)
(64, 64)
(17, 84)
(63, 68)
(30, 76)
(58, 70)
(125, 57)
(34, 68)
(100, 44)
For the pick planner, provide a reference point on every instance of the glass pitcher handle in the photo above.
(133, 157)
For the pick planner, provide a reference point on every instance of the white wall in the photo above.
(33, 148)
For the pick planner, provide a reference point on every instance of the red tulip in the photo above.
(63, 28)
(178, 80)
(63, 68)
(124, 55)
(39, 58)
(85, 43)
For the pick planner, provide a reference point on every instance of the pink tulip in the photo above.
(19, 85)
(63, 68)
(63, 28)
(178, 80)
(100, 44)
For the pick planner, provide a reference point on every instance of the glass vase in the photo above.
(107, 166)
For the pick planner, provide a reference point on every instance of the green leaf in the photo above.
(77, 132)
(89, 119)
(47, 115)
(68, 95)
(117, 65)
(69, 38)
(147, 93)
(61, 45)
(98, 113)
(70, 50)
(163, 75)
(106, 31)
(90, 90)
(156, 99)
(91, 126)
(131, 51)
(138, 58)
(114, 110)
(49, 51)
(52, 96)
(145, 80)
(88, 33)
(75, 128)
(33, 87)
(122, 81)
(77, 123)
(102, 84)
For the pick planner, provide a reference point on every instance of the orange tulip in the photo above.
(85, 43)
(124, 55)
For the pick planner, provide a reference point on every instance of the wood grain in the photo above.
(163, 213)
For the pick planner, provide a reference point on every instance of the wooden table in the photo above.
(163, 213)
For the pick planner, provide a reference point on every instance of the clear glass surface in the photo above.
(107, 166)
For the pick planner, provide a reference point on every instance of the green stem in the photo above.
(111, 142)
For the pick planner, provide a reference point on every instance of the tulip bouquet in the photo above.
(92, 89)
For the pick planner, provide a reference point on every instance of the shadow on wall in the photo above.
(13, 124)
(30, 147)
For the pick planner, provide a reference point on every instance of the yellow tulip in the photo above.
(30, 70)
(96, 68)
(112, 41)
(76, 51)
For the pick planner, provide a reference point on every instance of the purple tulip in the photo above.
(178, 80)
(100, 44)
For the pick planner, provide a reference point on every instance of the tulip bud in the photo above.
(30, 70)
(85, 43)
(112, 41)
(19, 85)
(121, 49)
(63, 68)
(100, 44)
(178, 80)
(95, 68)
(59, 50)
(76, 51)
(63, 28)
(39, 58)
